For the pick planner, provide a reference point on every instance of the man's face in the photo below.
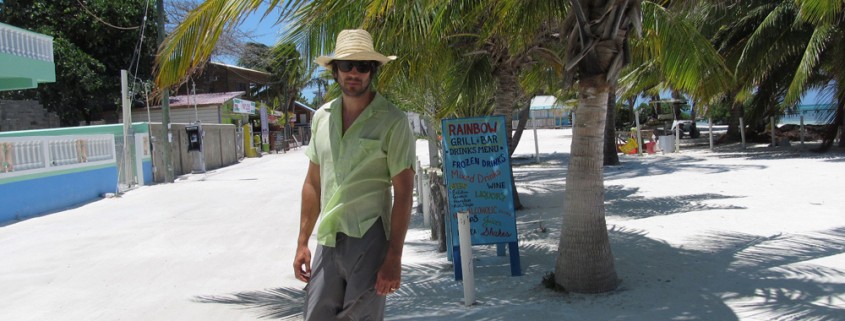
(354, 77)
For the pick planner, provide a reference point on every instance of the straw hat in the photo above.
(354, 44)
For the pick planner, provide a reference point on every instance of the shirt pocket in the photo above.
(370, 149)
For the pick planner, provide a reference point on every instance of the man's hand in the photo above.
(389, 275)
(390, 272)
(308, 217)
(302, 264)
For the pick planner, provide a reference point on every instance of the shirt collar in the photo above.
(379, 104)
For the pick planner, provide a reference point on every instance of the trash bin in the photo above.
(649, 147)
(666, 143)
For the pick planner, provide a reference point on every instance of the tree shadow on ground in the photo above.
(544, 188)
(546, 159)
(555, 165)
(762, 278)
(795, 151)
(634, 167)
(623, 202)
(722, 276)
(718, 276)
(279, 303)
(758, 276)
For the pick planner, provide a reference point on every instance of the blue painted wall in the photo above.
(32, 197)
(54, 189)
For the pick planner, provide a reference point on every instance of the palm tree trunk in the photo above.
(433, 140)
(436, 185)
(507, 89)
(829, 135)
(840, 119)
(439, 210)
(737, 112)
(693, 130)
(585, 262)
(611, 157)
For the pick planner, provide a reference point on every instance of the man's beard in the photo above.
(355, 93)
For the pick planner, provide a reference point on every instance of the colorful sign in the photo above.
(243, 106)
(478, 178)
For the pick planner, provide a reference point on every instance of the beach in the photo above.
(729, 234)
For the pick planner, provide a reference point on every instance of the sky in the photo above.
(267, 32)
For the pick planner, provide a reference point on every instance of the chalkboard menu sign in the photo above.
(478, 178)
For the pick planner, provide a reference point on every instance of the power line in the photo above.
(136, 54)
(103, 21)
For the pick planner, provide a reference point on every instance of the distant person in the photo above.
(361, 146)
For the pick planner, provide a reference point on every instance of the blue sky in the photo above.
(266, 31)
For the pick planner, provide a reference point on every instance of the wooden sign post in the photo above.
(477, 169)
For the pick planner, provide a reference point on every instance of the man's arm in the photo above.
(308, 218)
(390, 273)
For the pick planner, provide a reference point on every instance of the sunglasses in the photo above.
(362, 66)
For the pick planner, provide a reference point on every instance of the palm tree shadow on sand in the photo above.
(279, 303)
(762, 278)
(727, 276)
(718, 276)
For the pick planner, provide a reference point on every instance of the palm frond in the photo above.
(769, 41)
(809, 62)
(687, 59)
(821, 12)
(190, 45)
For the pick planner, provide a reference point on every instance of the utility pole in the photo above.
(165, 104)
(127, 178)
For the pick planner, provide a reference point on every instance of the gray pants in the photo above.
(343, 278)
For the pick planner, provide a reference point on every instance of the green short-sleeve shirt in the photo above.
(356, 167)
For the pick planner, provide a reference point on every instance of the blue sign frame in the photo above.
(477, 171)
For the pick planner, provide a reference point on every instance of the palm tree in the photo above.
(779, 50)
(705, 76)
(797, 45)
(597, 50)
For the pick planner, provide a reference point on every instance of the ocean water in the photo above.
(814, 114)
(817, 114)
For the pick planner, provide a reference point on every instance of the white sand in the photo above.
(735, 235)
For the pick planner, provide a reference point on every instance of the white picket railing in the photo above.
(22, 155)
(24, 43)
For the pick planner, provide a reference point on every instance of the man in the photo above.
(361, 146)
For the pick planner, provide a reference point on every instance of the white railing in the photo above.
(24, 43)
(21, 156)
(25, 155)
